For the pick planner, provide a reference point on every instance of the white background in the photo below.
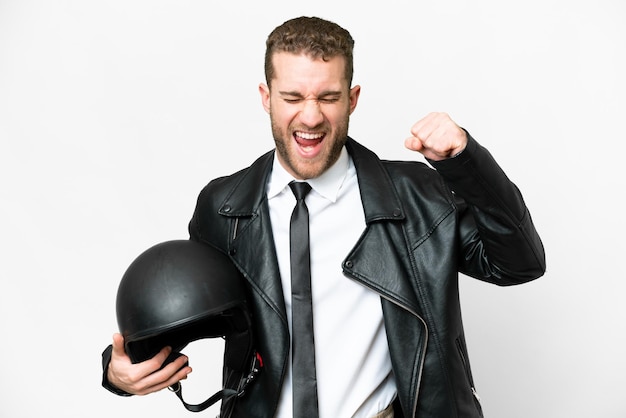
(114, 114)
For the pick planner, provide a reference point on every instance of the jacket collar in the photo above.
(377, 194)
(245, 198)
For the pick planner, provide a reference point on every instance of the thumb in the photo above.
(118, 345)
(414, 144)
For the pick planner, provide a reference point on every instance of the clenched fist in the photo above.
(437, 137)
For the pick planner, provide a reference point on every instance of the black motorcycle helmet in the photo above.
(180, 291)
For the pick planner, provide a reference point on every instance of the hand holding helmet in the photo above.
(144, 377)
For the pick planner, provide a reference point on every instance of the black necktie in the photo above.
(302, 344)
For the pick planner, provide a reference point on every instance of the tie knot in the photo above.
(300, 189)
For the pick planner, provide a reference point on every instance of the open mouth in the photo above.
(308, 140)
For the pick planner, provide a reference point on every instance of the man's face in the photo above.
(309, 103)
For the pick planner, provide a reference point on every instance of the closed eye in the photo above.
(326, 97)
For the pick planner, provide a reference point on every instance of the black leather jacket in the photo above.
(419, 235)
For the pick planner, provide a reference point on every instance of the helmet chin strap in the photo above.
(224, 394)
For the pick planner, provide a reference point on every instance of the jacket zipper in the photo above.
(406, 308)
(466, 368)
(236, 226)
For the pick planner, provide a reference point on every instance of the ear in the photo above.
(354, 97)
(264, 90)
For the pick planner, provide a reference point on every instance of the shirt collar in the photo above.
(327, 185)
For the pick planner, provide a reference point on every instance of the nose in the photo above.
(311, 114)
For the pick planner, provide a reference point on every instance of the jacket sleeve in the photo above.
(499, 242)
(106, 359)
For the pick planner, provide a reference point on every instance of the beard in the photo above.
(309, 168)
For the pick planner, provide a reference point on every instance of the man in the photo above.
(387, 241)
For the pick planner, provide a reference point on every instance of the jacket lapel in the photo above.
(251, 243)
(383, 237)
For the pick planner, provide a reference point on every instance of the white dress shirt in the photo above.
(354, 376)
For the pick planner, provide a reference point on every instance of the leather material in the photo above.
(419, 235)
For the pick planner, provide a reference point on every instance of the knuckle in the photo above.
(133, 376)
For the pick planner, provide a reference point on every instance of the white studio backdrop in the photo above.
(114, 114)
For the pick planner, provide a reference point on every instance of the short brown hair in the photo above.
(313, 36)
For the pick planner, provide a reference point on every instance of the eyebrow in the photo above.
(322, 94)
